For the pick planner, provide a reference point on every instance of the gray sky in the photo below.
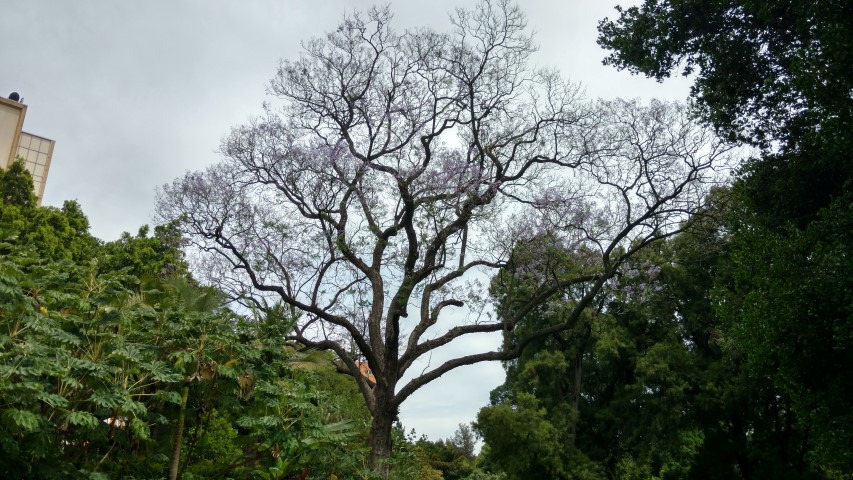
(135, 93)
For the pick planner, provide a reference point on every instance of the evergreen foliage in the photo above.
(775, 74)
(658, 382)
(106, 354)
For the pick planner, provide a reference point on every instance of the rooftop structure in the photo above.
(36, 151)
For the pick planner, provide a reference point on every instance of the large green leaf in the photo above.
(23, 419)
(82, 419)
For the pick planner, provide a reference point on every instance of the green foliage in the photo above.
(93, 361)
(70, 375)
(764, 70)
(415, 458)
(522, 442)
(776, 74)
(790, 314)
(453, 457)
(214, 445)
(463, 442)
(410, 459)
(16, 186)
(653, 383)
(53, 233)
(147, 257)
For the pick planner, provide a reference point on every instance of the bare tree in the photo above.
(400, 166)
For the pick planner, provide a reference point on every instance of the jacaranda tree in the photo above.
(399, 168)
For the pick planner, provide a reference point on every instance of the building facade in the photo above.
(36, 151)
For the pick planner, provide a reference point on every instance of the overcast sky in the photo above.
(135, 93)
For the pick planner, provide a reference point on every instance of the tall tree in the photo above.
(776, 74)
(402, 168)
(146, 257)
(649, 386)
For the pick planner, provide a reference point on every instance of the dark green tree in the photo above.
(649, 385)
(775, 74)
(16, 186)
(765, 71)
(147, 257)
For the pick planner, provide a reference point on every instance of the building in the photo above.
(14, 142)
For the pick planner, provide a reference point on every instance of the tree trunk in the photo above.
(576, 397)
(179, 435)
(379, 441)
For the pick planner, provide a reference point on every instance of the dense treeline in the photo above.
(676, 372)
(654, 382)
(116, 364)
(725, 352)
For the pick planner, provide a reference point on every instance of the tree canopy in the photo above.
(115, 364)
(776, 74)
(652, 384)
(765, 71)
(401, 167)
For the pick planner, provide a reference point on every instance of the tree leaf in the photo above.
(82, 419)
(23, 419)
